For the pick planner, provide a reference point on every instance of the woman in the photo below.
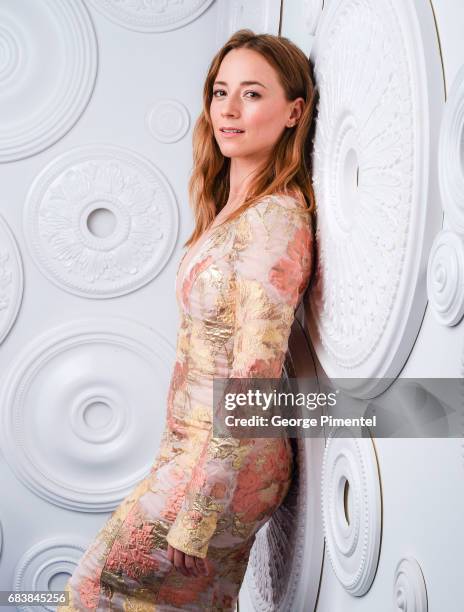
(181, 539)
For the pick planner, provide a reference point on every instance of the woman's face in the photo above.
(248, 96)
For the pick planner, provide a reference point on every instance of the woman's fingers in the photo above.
(191, 565)
(188, 565)
(179, 562)
(201, 566)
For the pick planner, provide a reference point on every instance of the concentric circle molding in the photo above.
(100, 221)
(45, 562)
(48, 66)
(445, 278)
(409, 590)
(352, 529)
(371, 164)
(152, 16)
(82, 408)
(168, 120)
(11, 279)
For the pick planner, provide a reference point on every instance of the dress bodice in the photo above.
(246, 278)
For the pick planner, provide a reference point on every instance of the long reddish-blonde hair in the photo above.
(288, 169)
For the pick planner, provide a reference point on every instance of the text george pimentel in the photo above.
(279, 421)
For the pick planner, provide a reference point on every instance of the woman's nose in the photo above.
(230, 107)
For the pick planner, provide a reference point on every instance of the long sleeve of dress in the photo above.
(271, 269)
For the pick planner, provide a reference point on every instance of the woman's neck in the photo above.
(240, 177)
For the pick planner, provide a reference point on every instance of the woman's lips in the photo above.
(230, 134)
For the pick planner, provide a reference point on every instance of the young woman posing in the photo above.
(181, 540)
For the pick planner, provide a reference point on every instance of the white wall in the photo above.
(96, 114)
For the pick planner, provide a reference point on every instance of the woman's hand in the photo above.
(188, 565)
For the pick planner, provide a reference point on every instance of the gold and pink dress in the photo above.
(207, 495)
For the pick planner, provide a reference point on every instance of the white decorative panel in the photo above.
(451, 154)
(445, 278)
(151, 15)
(11, 279)
(168, 120)
(82, 407)
(352, 529)
(378, 109)
(100, 221)
(409, 590)
(48, 65)
(259, 15)
(44, 564)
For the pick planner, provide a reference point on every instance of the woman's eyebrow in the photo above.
(242, 83)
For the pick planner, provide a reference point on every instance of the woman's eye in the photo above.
(255, 93)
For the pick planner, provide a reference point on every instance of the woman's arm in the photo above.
(272, 265)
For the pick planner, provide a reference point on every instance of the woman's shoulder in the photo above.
(291, 199)
(275, 226)
(280, 207)
(272, 220)
(288, 200)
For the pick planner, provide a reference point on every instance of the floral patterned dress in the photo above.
(204, 495)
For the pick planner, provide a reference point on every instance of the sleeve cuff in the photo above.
(191, 532)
